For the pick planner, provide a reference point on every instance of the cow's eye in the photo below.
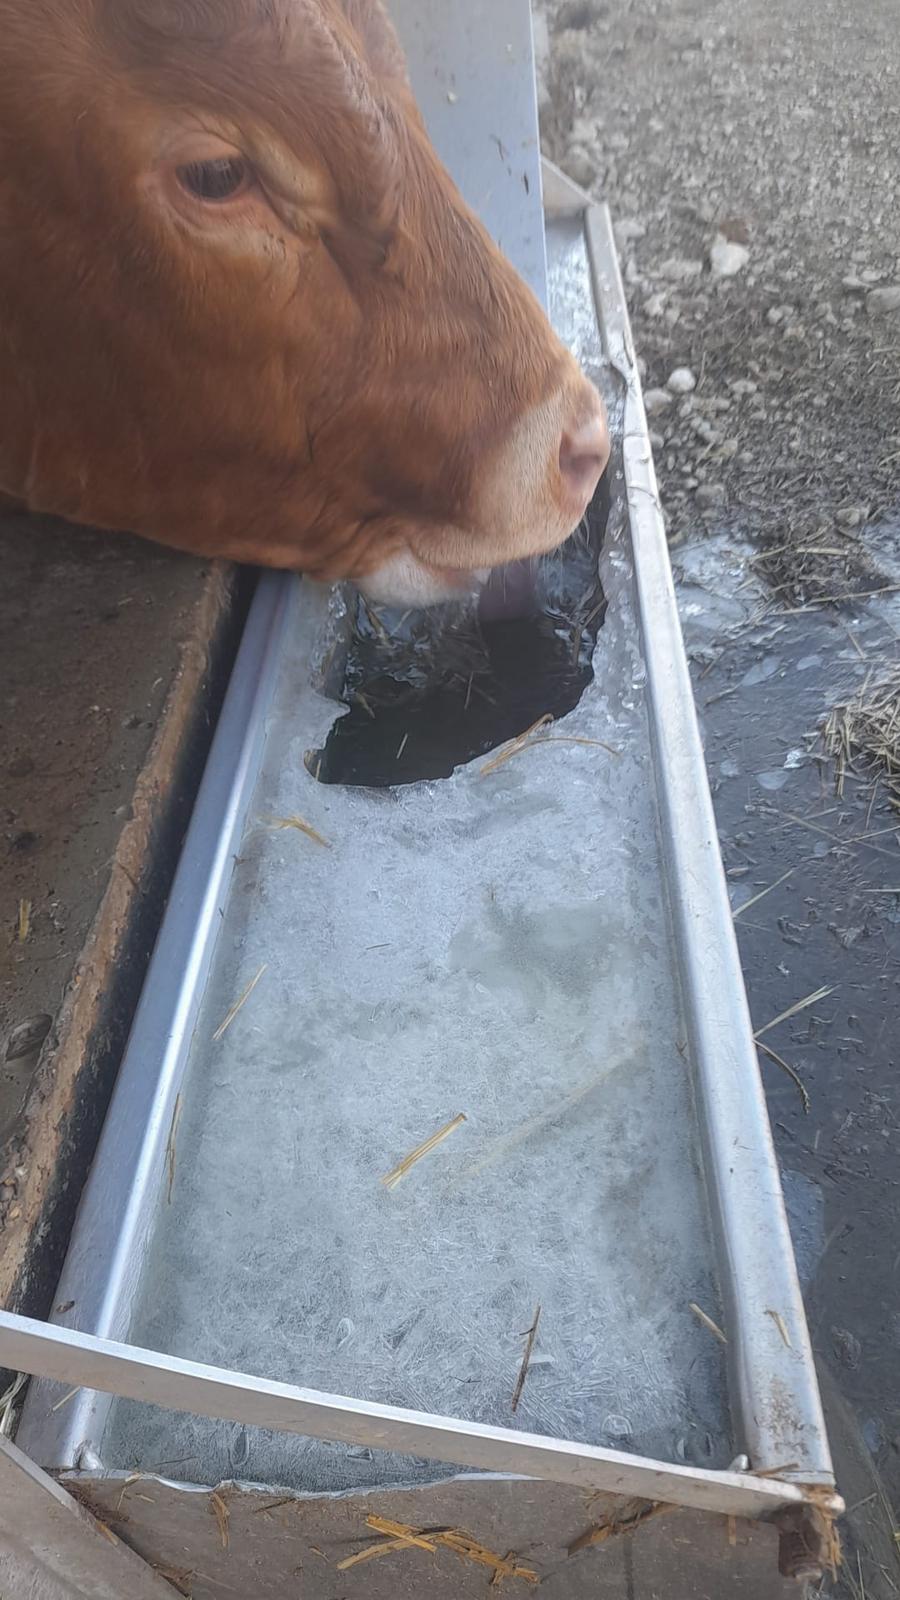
(222, 178)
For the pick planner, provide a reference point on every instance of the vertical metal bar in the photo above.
(472, 70)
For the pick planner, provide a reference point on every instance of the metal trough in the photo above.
(544, 949)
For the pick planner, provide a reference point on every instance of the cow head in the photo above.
(246, 313)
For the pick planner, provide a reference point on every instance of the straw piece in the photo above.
(178, 1577)
(739, 911)
(66, 1398)
(609, 1530)
(382, 1547)
(512, 745)
(834, 599)
(286, 1500)
(533, 736)
(867, 728)
(469, 1549)
(221, 1512)
(496, 1577)
(400, 1536)
(8, 1402)
(302, 826)
(401, 1532)
(780, 1324)
(134, 1477)
(232, 1012)
(791, 1072)
(392, 1178)
(707, 1322)
(828, 833)
(799, 1005)
(376, 621)
(170, 1147)
(24, 920)
(529, 1346)
(509, 1142)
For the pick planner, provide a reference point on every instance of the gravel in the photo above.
(749, 163)
(681, 381)
(883, 300)
(726, 257)
(657, 400)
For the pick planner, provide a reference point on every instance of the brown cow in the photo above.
(246, 313)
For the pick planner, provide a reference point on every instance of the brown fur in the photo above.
(298, 396)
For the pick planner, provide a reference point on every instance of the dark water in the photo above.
(430, 690)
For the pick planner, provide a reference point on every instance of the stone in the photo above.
(679, 269)
(881, 302)
(579, 167)
(657, 400)
(851, 516)
(727, 257)
(626, 230)
(710, 495)
(654, 306)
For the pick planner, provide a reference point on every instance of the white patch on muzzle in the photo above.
(406, 581)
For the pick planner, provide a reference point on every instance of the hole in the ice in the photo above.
(429, 690)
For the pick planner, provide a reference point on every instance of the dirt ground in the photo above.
(749, 156)
(774, 126)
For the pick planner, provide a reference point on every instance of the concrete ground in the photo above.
(113, 658)
(748, 154)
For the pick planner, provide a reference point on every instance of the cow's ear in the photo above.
(378, 38)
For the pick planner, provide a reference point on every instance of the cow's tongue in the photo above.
(509, 592)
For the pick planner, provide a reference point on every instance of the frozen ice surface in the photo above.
(494, 944)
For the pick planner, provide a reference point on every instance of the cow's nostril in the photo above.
(583, 454)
